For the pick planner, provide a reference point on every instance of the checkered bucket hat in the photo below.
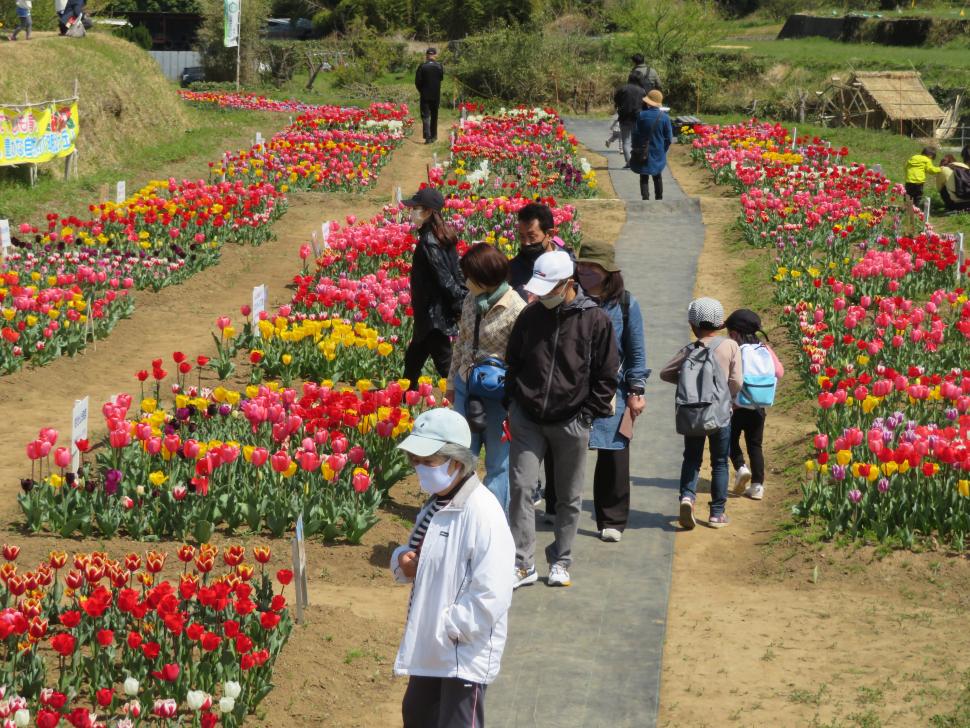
(706, 310)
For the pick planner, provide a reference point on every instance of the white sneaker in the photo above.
(741, 479)
(612, 535)
(756, 491)
(687, 513)
(524, 577)
(558, 576)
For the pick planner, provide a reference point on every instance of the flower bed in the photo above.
(882, 323)
(255, 459)
(350, 318)
(524, 151)
(97, 641)
(168, 231)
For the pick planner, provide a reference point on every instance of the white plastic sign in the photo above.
(325, 231)
(961, 257)
(300, 570)
(120, 193)
(79, 430)
(5, 236)
(259, 305)
(259, 138)
(400, 197)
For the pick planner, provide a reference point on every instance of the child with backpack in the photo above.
(953, 181)
(762, 370)
(708, 374)
(917, 167)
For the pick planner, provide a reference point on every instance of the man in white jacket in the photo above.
(460, 559)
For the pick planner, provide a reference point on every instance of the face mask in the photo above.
(533, 248)
(555, 299)
(434, 479)
(418, 217)
(591, 279)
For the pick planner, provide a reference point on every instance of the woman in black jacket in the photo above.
(437, 287)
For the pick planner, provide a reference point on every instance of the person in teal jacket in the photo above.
(652, 138)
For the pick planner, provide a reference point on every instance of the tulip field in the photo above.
(68, 281)
(878, 309)
(296, 413)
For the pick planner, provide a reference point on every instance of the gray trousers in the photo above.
(568, 442)
(626, 139)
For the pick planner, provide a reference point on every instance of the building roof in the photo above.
(900, 94)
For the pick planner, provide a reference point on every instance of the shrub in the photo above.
(139, 35)
(218, 61)
(663, 30)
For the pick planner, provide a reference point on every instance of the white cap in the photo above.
(434, 429)
(550, 270)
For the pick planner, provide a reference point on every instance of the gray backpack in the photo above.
(703, 401)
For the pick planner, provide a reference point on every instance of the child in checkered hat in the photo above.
(706, 318)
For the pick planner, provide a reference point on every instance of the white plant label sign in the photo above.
(300, 569)
(79, 430)
(120, 192)
(5, 237)
(259, 305)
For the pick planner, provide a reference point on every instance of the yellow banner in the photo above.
(37, 134)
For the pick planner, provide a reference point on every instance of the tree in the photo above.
(665, 30)
(220, 62)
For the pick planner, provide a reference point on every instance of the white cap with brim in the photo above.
(549, 271)
(434, 429)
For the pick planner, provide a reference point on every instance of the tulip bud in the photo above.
(131, 686)
(227, 704)
(21, 718)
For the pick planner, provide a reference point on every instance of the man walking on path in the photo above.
(427, 79)
(562, 363)
(647, 77)
(537, 235)
(628, 101)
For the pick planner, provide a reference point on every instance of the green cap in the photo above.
(599, 253)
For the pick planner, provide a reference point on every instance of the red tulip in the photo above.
(10, 553)
(63, 644)
(105, 637)
(105, 696)
(284, 576)
(169, 672)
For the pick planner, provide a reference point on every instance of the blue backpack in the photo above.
(760, 382)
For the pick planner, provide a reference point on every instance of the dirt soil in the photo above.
(767, 626)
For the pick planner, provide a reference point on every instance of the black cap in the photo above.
(432, 51)
(427, 197)
(744, 321)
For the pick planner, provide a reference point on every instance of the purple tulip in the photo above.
(855, 495)
(112, 479)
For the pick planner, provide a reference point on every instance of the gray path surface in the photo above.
(589, 655)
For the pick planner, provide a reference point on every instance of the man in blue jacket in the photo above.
(651, 139)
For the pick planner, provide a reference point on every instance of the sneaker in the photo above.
(756, 491)
(687, 513)
(524, 577)
(611, 535)
(719, 521)
(741, 479)
(558, 576)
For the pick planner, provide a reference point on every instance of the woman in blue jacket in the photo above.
(651, 139)
(601, 279)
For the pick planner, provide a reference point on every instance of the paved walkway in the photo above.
(589, 655)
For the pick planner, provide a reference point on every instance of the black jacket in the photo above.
(437, 286)
(427, 80)
(628, 101)
(520, 267)
(562, 363)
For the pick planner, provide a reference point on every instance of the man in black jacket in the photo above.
(628, 101)
(647, 77)
(427, 80)
(561, 374)
(536, 229)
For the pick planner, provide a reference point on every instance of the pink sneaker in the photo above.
(719, 521)
(687, 521)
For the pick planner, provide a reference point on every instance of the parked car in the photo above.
(190, 75)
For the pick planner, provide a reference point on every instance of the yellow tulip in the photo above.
(843, 457)
(963, 487)
(157, 478)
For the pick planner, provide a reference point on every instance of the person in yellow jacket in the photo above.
(917, 167)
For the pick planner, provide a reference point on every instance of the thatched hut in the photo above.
(895, 100)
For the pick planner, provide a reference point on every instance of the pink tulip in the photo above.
(62, 457)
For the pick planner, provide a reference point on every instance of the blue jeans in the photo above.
(720, 442)
(496, 451)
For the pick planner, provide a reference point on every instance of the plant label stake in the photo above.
(299, 569)
(434, 156)
(926, 212)
(794, 137)
(259, 305)
(259, 138)
(79, 430)
(4, 238)
(325, 231)
(120, 195)
(960, 256)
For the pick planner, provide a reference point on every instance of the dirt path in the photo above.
(766, 629)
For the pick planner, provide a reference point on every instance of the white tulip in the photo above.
(196, 699)
(227, 704)
(21, 718)
(231, 689)
(131, 686)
